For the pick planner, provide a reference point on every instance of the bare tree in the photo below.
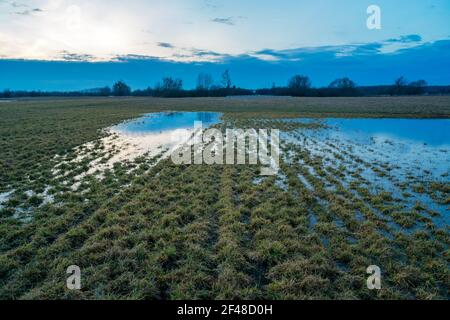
(170, 84)
(400, 85)
(120, 88)
(204, 81)
(417, 87)
(226, 79)
(299, 82)
(342, 83)
(343, 87)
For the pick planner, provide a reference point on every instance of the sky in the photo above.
(77, 44)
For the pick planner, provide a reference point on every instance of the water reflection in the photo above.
(433, 132)
(167, 121)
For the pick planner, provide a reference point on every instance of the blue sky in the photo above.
(69, 45)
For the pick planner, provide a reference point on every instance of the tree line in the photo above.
(297, 86)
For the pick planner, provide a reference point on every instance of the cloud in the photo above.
(308, 52)
(165, 45)
(383, 47)
(429, 61)
(406, 39)
(28, 12)
(296, 55)
(228, 21)
(202, 53)
(134, 57)
(211, 4)
(188, 54)
(69, 56)
(16, 4)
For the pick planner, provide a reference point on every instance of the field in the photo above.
(149, 229)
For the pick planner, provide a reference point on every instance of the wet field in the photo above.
(352, 191)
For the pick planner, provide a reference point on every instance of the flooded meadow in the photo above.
(350, 192)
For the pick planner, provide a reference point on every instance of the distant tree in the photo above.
(204, 81)
(342, 83)
(105, 91)
(399, 86)
(120, 88)
(170, 84)
(417, 87)
(299, 82)
(169, 87)
(143, 93)
(226, 79)
(216, 87)
(343, 87)
(7, 93)
(299, 85)
(400, 82)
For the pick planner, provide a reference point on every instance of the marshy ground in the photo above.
(144, 228)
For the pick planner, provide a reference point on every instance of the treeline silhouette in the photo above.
(297, 86)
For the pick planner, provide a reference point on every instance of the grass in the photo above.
(163, 231)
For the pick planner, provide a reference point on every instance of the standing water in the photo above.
(410, 158)
(167, 122)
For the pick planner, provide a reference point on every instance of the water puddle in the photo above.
(166, 122)
(154, 132)
(4, 197)
(153, 135)
(389, 154)
(433, 132)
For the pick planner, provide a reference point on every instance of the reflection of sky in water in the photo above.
(168, 121)
(408, 142)
(417, 151)
(433, 132)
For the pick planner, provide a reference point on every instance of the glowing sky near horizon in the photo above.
(178, 29)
